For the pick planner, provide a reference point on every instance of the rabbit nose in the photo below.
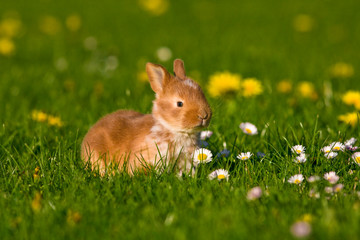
(203, 115)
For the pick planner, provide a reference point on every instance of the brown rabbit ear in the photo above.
(158, 76)
(179, 69)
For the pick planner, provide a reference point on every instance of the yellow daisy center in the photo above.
(298, 151)
(327, 151)
(337, 148)
(202, 157)
(221, 176)
(297, 181)
(357, 159)
(244, 158)
(247, 130)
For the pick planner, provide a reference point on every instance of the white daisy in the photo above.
(330, 155)
(202, 155)
(205, 134)
(314, 194)
(350, 142)
(249, 128)
(356, 158)
(301, 158)
(337, 146)
(298, 149)
(331, 177)
(219, 174)
(326, 149)
(338, 187)
(300, 229)
(254, 193)
(244, 156)
(296, 179)
(312, 179)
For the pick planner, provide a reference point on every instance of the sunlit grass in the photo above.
(64, 65)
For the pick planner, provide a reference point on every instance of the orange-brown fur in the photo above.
(169, 132)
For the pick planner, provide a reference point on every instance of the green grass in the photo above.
(251, 38)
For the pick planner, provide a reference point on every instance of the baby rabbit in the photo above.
(128, 138)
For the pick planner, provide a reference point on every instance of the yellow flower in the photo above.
(73, 22)
(73, 217)
(36, 174)
(55, 121)
(303, 23)
(155, 7)
(342, 70)
(251, 87)
(39, 116)
(7, 46)
(284, 86)
(223, 83)
(142, 76)
(352, 98)
(36, 202)
(350, 118)
(307, 90)
(10, 27)
(50, 25)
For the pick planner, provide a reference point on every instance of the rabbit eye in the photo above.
(179, 104)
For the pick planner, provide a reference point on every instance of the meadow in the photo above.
(291, 68)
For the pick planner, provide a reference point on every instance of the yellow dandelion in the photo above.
(307, 90)
(10, 27)
(342, 70)
(36, 175)
(251, 87)
(350, 118)
(142, 76)
(155, 7)
(223, 83)
(352, 98)
(303, 23)
(39, 116)
(55, 121)
(50, 25)
(284, 86)
(73, 22)
(7, 46)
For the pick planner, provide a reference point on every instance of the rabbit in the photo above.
(131, 139)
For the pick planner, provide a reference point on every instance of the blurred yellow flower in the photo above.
(284, 86)
(303, 23)
(10, 27)
(50, 25)
(307, 90)
(73, 217)
(7, 46)
(352, 98)
(36, 174)
(350, 118)
(39, 116)
(73, 22)
(36, 202)
(251, 87)
(55, 121)
(142, 76)
(155, 7)
(342, 70)
(306, 218)
(223, 83)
